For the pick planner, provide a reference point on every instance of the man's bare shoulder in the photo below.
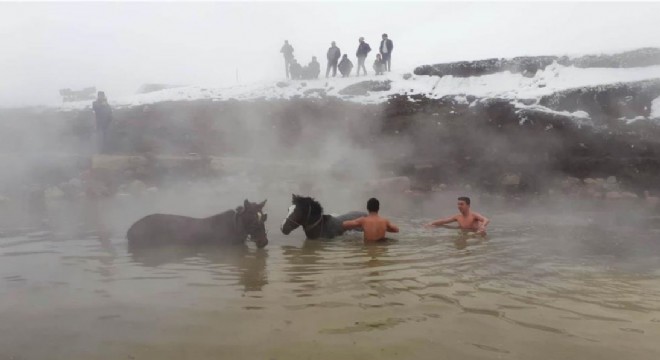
(478, 215)
(361, 219)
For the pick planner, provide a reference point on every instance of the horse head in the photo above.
(253, 218)
(304, 211)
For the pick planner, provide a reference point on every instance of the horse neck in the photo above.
(228, 221)
(317, 222)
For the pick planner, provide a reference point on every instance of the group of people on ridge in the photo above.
(296, 71)
(382, 63)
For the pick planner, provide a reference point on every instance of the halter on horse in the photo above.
(307, 223)
(307, 213)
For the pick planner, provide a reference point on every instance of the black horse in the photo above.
(308, 213)
(229, 227)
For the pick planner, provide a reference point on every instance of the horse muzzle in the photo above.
(261, 242)
(288, 227)
(285, 230)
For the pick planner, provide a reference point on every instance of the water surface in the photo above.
(539, 288)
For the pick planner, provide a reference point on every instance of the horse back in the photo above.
(351, 216)
(167, 228)
(332, 226)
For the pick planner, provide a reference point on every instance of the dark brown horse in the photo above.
(308, 213)
(230, 227)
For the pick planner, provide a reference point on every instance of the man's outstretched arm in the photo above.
(351, 224)
(441, 222)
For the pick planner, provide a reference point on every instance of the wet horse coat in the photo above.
(308, 213)
(229, 227)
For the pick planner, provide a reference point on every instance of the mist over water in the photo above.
(578, 275)
(561, 271)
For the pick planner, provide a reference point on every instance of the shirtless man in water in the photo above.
(373, 226)
(467, 219)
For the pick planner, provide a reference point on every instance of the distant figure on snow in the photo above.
(295, 69)
(287, 51)
(103, 113)
(314, 69)
(333, 57)
(386, 47)
(379, 65)
(362, 52)
(345, 66)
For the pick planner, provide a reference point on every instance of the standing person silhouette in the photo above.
(333, 58)
(386, 47)
(287, 51)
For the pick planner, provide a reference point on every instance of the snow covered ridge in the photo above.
(529, 65)
(553, 79)
(555, 87)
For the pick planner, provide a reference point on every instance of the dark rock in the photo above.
(612, 101)
(529, 65)
(635, 58)
(69, 95)
(407, 76)
(443, 141)
(526, 65)
(527, 101)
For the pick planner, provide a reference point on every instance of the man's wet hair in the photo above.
(373, 205)
(464, 198)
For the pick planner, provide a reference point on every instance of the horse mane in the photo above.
(317, 209)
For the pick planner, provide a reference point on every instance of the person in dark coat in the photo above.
(314, 68)
(103, 114)
(379, 65)
(287, 51)
(386, 47)
(362, 52)
(333, 57)
(295, 69)
(345, 66)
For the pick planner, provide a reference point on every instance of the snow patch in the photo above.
(655, 108)
(632, 120)
(580, 117)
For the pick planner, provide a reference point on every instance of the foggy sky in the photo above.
(119, 46)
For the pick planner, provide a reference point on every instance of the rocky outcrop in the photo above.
(526, 65)
(627, 100)
(635, 58)
(495, 144)
(529, 65)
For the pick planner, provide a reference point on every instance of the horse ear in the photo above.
(294, 197)
(246, 203)
(262, 204)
